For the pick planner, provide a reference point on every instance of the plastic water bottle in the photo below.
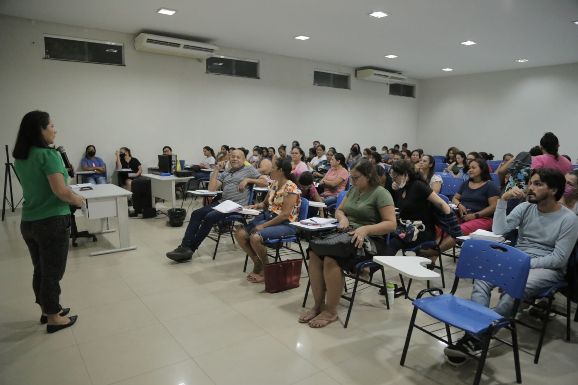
(390, 292)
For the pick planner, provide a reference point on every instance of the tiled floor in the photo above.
(144, 320)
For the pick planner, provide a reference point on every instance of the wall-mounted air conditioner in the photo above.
(378, 75)
(172, 46)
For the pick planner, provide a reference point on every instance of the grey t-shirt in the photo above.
(230, 183)
(547, 237)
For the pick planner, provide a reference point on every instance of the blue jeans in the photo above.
(272, 232)
(200, 225)
(538, 280)
(95, 179)
(330, 200)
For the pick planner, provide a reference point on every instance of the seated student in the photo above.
(208, 161)
(476, 201)
(91, 162)
(354, 155)
(323, 166)
(233, 183)
(459, 166)
(125, 160)
(427, 165)
(366, 210)
(375, 159)
(271, 155)
(550, 158)
(297, 163)
(335, 180)
(416, 201)
(254, 158)
(451, 155)
(309, 192)
(547, 232)
(280, 207)
(167, 150)
(264, 164)
(282, 150)
(570, 197)
(319, 156)
(415, 157)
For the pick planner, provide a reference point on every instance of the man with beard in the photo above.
(547, 232)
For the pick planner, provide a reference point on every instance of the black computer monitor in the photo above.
(167, 163)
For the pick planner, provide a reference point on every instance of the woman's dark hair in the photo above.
(322, 147)
(271, 148)
(419, 151)
(407, 153)
(454, 150)
(567, 157)
(550, 144)
(340, 158)
(210, 150)
(30, 133)
(432, 166)
(484, 169)
(375, 155)
(367, 152)
(227, 148)
(295, 143)
(87, 147)
(354, 150)
(285, 166)
(535, 151)
(333, 149)
(405, 167)
(463, 155)
(300, 152)
(486, 156)
(373, 148)
(553, 179)
(476, 155)
(306, 178)
(282, 147)
(506, 155)
(167, 147)
(365, 168)
(127, 150)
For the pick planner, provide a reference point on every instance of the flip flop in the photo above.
(255, 278)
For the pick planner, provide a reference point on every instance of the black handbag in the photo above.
(339, 245)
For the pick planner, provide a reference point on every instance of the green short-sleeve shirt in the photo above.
(363, 209)
(39, 200)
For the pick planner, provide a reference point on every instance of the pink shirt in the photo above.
(548, 161)
(299, 169)
(332, 175)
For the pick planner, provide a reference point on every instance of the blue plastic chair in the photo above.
(440, 159)
(499, 264)
(496, 179)
(494, 164)
(440, 166)
(450, 185)
(280, 243)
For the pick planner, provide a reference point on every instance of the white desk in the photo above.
(320, 205)
(106, 201)
(408, 266)
(164, 187)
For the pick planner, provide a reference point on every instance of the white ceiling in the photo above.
(425, 34)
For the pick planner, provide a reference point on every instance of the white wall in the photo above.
(505, 111)
(161, 100)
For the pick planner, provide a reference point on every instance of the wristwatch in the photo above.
(476, 215)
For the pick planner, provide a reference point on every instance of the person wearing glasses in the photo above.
(367, 210)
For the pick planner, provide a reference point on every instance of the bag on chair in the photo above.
(282, 275)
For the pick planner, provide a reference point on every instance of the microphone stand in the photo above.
(8, 168)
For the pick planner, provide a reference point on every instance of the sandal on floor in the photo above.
(255, 278)
(307, 316)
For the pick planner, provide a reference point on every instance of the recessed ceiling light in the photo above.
(165, 11)
(391, 56)
(468, 43)
(302, 37)
(521, 60)
(378, 14)
(575, 22)
(447, 69)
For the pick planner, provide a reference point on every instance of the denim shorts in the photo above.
(272, 232)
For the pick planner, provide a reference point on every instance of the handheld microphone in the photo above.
(67, 164)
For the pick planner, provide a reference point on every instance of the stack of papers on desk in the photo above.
(204, 192)
(316, 221)
(487, 235)
(79, 186)
(228, 207)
